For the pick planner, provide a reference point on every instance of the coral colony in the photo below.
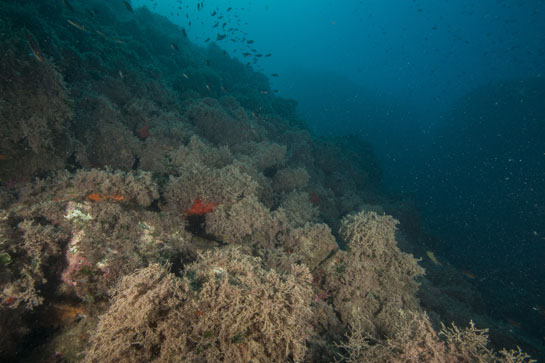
(112, 142)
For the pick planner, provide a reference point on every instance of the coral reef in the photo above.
(159, 197)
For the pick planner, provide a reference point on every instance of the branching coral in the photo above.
(137, 187)
(374, 275)
(414, 340)
(198, 151)
(34, 110)
(299, 208)
(263, 155)
(244, 218)
(289, 179)
(225, 308)
(33, 246)
(313, 242)
(219, 127)
(224, 186)
(109, 142)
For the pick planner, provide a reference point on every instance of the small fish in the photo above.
(184, 32)
(207, 40)
(96, 197)
(185, 75)
(208, 87)
(264, 92)
(174, 47)
(117, 40)
(34, 47)
(221, 36)
(250, 42)
(128, 6)
(121, 75)
(259, 55)
(433, 259)
(246, 54)
(470, 275)
(229, 9)
(213, 14)
(198, 7)
(101, 34)
(540, 310)
(274, 75)
(216, 25)
(268, 55)
(67, 5)
(76, 25)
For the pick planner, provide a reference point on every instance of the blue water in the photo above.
(449, 93)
